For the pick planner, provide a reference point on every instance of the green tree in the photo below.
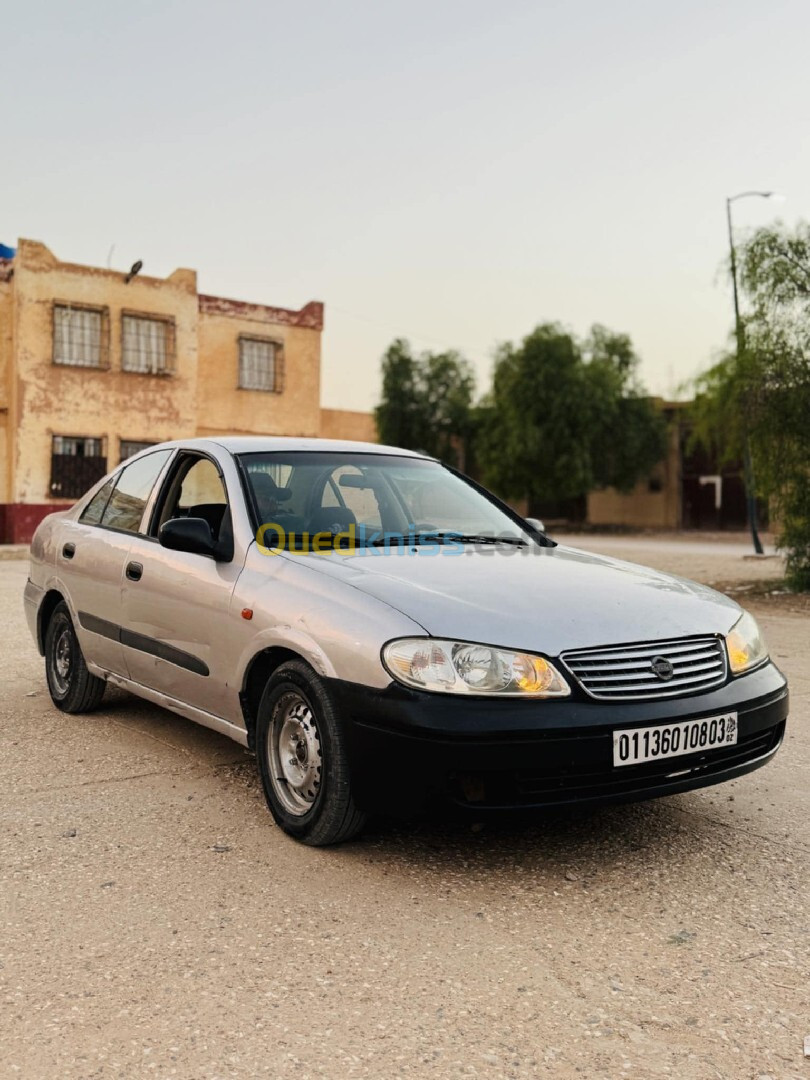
(566, 416)
(399, 416)
(426, 402)
(628, 433)
(763, 394)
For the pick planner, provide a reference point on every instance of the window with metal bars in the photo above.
(261, 364)
(76, 464)
(147, 344)
(131, 447)
(81, 336)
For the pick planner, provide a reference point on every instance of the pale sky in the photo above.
(452, 172)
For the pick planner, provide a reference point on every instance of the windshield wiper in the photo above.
(430, 538)
(515, 541)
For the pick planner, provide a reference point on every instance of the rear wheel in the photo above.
(73, 689)
(303, 761)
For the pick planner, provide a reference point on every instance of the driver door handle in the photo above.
(134, 571)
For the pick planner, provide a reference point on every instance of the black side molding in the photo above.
(143, 643)
(163, 651)
(100, 626)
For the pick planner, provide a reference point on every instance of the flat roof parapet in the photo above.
(310, 316)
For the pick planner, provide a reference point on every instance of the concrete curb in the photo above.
(14, 551)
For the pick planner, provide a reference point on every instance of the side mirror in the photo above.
(535, 523)
(188, 534)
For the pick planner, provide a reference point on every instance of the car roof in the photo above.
(257, 444)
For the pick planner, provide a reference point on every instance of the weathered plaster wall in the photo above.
(6, 368)
(40, 399)
(345, 424)
(221, 406)
(113, 404)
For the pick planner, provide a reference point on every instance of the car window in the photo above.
(132, 490)
(92, 513)
(201, 484)
(196, 490)
(314, 491)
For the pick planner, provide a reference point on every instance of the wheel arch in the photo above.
(50, 601)
(258, 671)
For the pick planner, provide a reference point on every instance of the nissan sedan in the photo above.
(387, 635)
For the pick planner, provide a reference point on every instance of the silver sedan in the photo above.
(387, 635)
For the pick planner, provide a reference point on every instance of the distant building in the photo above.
(689, 489)
(95, 366)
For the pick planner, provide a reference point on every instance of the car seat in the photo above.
(331, 519)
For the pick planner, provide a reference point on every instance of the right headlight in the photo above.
(746, 645)
(462, 667)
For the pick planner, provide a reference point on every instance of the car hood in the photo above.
(540, 599)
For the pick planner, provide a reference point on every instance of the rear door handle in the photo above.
(69, 550)
(134, 571)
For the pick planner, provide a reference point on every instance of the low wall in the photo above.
(18, 521)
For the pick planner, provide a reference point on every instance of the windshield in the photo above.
(378, 498)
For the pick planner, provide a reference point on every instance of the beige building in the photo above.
(656, 501)
(95, 364)
(690, 489)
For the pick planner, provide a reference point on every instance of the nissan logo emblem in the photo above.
(662, 667)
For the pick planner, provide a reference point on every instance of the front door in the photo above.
(175, 603)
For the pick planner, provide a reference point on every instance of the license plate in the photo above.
(632, 746)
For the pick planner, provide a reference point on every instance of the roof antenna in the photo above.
(109, 256)
(133, 270)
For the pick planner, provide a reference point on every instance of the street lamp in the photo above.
(740, 335)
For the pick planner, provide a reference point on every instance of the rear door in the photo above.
(92, 555)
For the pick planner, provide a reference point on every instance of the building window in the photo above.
(131, 447)
(147, 345)
(80, 336)
(261, 364)
(76, 464)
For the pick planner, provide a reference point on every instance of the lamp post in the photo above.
(739, 330)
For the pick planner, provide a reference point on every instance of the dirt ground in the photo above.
(156, 923)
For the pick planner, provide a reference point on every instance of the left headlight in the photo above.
(746, 645)
(459, 667)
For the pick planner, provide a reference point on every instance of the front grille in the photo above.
(627, 672)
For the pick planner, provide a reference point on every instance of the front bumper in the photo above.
(409, 748)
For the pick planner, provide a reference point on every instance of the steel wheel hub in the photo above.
(62, 660)
(295, 754)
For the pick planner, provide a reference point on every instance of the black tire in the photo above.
(73, 689)
(307, 783)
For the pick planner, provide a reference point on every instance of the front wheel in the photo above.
(303, 761)
(73, 689)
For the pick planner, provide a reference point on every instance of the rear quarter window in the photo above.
(94, 511)
(128, 500)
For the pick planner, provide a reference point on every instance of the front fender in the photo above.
(287, 637)
(334, 626)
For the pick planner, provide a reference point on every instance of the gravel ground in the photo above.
(156, 923)
(715, 561)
